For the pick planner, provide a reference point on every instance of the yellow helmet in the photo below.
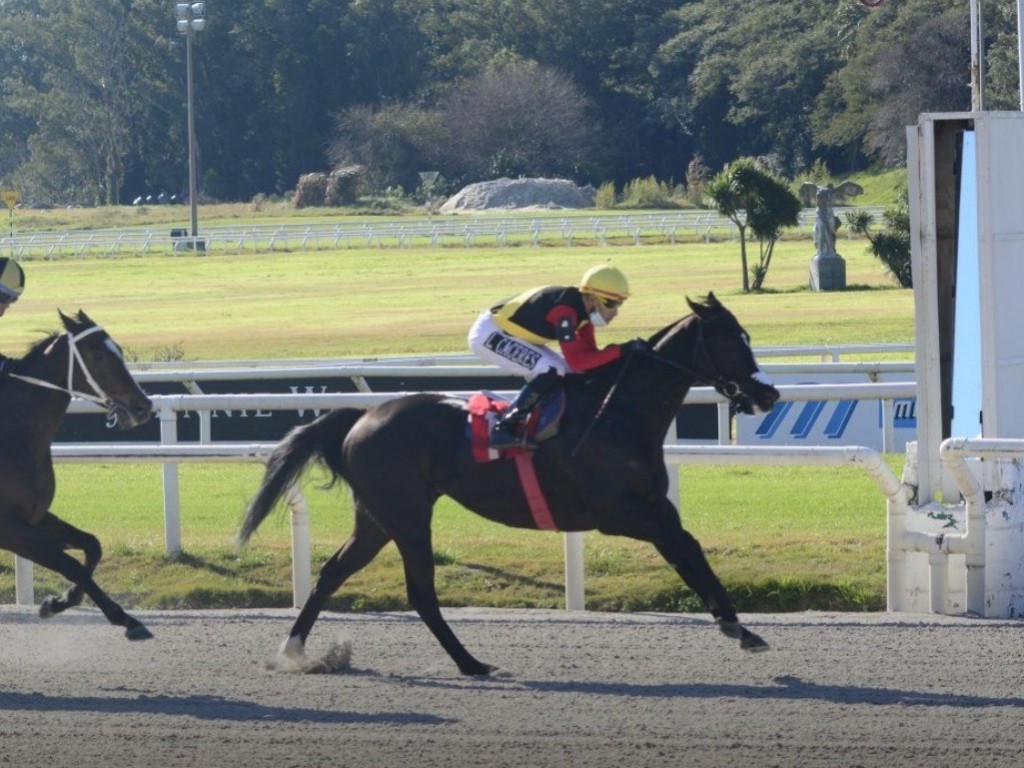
(605, 281)
(12, 280)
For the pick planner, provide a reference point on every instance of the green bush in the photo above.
(648, 193)
(606, 197)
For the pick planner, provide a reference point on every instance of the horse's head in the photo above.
(729, 363)
(721, 356)
(97, 371)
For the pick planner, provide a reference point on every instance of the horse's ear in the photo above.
(69, 324)
(698, 309)
(712, 301)
(84, 319)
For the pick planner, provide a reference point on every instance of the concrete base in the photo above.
(828, 274)
(1004, 553)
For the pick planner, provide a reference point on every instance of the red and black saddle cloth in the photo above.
(484, 411)
(486, 408)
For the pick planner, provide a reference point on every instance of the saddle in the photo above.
(542, 424)
(486, 407)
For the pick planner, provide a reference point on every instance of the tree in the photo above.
(394, 142)
(906, 58)
(753, 198)
(516, 119)
(739, 76)
(101, 83)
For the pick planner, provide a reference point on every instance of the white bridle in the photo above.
(97, 396)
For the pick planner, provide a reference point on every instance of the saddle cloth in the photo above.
(484, 410)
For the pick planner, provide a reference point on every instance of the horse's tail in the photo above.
(321, 439)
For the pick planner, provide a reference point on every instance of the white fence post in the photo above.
(24, 588)
(574, 598)
(302, 565)
(172, 495)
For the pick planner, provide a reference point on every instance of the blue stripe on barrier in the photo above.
(771, 423)
(840, 418)
(807, 418)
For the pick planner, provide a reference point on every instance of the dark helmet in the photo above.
(12, 280)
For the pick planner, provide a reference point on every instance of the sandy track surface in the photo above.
(575, 689)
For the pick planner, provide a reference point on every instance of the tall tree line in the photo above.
(92, 92)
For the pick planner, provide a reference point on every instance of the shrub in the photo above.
(892, 245)
(605, 197)
(648, 193)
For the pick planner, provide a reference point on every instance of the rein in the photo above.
(98, 396)
(648, 352)
(725, 387)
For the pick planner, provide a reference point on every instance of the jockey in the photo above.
(12, 283)
(515, 334)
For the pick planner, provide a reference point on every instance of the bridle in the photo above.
(98, 395)
(723, 385)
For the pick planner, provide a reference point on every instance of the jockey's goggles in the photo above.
(612, 303)
(7, 296)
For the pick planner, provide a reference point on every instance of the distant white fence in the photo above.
(170, 453)
(468, 231)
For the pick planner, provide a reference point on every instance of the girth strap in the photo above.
(531, 489)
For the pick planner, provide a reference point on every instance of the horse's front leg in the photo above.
(684, 553)
(660, 525)
(68, 536)
(35, 544)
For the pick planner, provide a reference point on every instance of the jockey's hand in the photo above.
(636, 345)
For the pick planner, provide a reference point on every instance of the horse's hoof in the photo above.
(731, 629)
(49, 608)
(753, 643)
(138, 632)
(478, 669)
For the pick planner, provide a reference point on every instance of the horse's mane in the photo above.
(668, 331)
(35, 350)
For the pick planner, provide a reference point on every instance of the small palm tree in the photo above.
(752, 198)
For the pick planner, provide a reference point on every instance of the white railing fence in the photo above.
(636, 228)
(170, 453)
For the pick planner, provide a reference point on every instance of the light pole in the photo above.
(191, 19)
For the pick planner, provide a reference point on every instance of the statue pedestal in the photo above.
(827, 274)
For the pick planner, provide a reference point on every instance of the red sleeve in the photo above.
(580, 351)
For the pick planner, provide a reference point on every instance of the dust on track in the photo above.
(574, 688)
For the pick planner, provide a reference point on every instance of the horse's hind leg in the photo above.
(418, 559)
(71, 538)
(362, 546)
(34, 544)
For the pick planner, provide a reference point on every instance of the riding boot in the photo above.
(510, 430)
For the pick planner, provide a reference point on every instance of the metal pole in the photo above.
(976, 104)
(189, 34)
(1020, 50)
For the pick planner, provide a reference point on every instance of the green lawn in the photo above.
(816, 539)
(780, 537)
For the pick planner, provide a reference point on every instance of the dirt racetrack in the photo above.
(575, 689)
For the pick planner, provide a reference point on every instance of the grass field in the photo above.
(780, 538)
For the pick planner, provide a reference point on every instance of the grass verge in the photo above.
(815, 541)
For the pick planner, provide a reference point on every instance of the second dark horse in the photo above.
(605, 469)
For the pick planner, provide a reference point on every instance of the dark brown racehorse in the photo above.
(34, 395)
(605, 469)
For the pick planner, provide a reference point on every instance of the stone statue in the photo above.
(826, 223)
(828, 270)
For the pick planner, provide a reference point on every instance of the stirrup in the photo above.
(501, 440)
